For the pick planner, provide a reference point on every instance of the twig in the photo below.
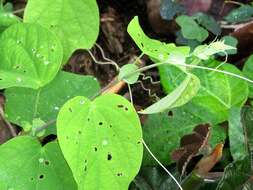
(18, 11)
(39, 129)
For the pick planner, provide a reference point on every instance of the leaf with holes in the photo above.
(30, 56)
(153, 48)
(24, 164)
(76, 23)
(101, 141)
(45, 102)
(217, 94)
(180, 96)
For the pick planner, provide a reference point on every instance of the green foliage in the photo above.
(204, 52)
(169, 9)
(231, 41)
(24, 164)
(162, 133)
(208, 23)
(30, 55)
(241, 14)
(238, 148)
(129, 73)
(152, 178)
(101, 141)
(178, 97)
(217, 94)
(76, 23)
(45, 102)
(7, 19)
(190, 29)
(153, 48)
(247, 71)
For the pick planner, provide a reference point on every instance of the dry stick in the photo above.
(9, 126)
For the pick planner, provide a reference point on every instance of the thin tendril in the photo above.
(165, 169)
(103, 63)
(216, 70)
(130, 93)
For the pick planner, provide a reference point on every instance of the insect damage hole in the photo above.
(109, 157)
(41, 176)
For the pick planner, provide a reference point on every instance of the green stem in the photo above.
(18, 11)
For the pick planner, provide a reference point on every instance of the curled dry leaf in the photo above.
(208, 162)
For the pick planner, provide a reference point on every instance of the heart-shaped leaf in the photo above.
(24, 165)
(46, 102)
(76, 23)
(30, 56)
(101, 141)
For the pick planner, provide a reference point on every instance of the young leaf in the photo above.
(30, 56)
(204, 52)
(24, 164)
(248, 72)
(101, 141)
(45, 102)
(76, 23)
(217, 94)
(190, 29)
(180, 96)
(128, 73)
(237, 141)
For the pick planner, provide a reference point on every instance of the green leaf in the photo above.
(169, 9)
(76, 23)
(190, 29)
(153, 48)
(30, 56)
(237, 141)
(231, 41)
(217, 94)
(101, 141)
(24, 165)
(7, 19)
(247, 122)
(154, 178)
(162, 134)
(178, 97)
(208, 22)
(248, 72)
(128, 73)
(236, 175)
(204, 52)
(45, 103)
(241, 14)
